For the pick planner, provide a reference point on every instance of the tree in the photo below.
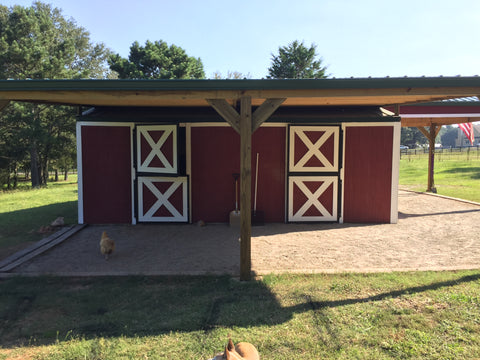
(231, 75)
(37, 42)
(157, 60)
(449, 136)
(412, 137)
(296, 61)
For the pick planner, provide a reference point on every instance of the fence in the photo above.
(453, 153)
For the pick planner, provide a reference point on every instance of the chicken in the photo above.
(107, 245)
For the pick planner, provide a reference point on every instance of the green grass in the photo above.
(22, 212)
(456, 174)
(422, 315)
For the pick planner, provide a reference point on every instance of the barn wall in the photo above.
(215, 156)
(368, 174)
(106, 174)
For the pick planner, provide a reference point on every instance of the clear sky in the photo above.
(358, 38)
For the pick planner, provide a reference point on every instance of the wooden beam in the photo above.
(245, 187)
(196, 97)
(227, 112)
(438, 121)
(424, 131)
(396, 110)
(264, 111)
(431, 135)
(431, 158)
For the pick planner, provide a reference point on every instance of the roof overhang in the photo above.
(412, 120)
(296, 92)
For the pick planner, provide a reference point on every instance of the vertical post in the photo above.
(245, 187)
(431, 157)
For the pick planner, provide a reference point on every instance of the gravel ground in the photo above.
(433, 233)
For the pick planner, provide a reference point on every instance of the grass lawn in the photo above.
(22, 212)
(456, 174)
(417, 315)
(423, 315)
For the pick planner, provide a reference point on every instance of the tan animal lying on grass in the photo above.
(241, 351)
(107, 245)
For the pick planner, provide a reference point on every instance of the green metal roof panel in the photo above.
(243, 84)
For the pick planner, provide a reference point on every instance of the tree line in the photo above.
(38, 42)
(412, 137)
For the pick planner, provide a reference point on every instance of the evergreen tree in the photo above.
(296, 61)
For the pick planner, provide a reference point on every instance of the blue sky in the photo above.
(358, 38)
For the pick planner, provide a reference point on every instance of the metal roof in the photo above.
(297, 92)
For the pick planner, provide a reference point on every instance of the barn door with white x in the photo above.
(157, 149)
(313, 198)
(313, 173)
(162, 199)
(162, 195)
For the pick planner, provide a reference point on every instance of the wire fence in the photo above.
(464, 153)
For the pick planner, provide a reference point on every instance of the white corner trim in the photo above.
(79, 173)
(395, 173)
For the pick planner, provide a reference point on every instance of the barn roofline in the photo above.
(296, 92)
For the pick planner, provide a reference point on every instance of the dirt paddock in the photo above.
(433, 233)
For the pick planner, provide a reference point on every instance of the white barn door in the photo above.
(162, 194)
(313, 173)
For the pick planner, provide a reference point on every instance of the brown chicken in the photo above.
(107, 245)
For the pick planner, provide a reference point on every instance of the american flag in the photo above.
(467, 128)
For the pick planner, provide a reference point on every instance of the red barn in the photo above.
(334, 164)
(166, 150)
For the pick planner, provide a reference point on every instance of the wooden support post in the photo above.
(245, 123)
(396, 110)
(431, 134)
(245, 188)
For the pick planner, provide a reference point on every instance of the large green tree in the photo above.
(38, 42)
(412, 137)
(449, 136)
(296, 61)
(157, 60)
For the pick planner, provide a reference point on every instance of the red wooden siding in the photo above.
(106, 167)
(270, 143)
(368, 174)
(216, 156)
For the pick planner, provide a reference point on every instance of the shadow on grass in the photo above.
(57, 309)
(22, 225)
(391, 294)
(474, 171)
